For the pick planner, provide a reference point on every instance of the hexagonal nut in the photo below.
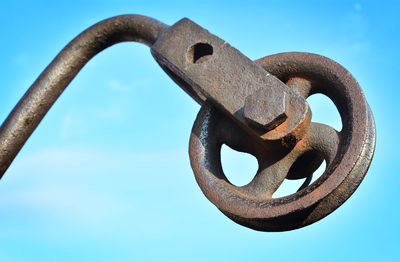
(266, 109)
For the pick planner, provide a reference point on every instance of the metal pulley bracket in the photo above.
(256, 107)
(212, 71)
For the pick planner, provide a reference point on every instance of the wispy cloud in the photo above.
(83, 188)
(72, 125)
(116, 85)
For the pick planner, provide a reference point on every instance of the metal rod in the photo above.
(39, 98)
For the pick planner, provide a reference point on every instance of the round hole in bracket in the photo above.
(199, 53)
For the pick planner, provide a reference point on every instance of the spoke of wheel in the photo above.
(301, 85)
(270, 176)
(325, 140)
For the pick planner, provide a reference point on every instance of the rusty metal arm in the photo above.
(33, 106)
(205, 66)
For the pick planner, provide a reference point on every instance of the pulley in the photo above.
(258, 107)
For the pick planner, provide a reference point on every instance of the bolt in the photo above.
(265, 110)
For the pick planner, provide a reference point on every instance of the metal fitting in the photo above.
(259, 113)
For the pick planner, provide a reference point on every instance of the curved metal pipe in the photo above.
(33, 106)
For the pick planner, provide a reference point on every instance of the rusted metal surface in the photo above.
(223, 76)
(348, 153)
(256, 107)
(259, 112)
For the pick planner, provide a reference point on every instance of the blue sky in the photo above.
(106, 175)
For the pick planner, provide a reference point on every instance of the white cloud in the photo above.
(116, 85)
(84, 188)
(73, 125)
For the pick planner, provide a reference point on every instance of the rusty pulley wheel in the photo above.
(347, 153)
(256, 107)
